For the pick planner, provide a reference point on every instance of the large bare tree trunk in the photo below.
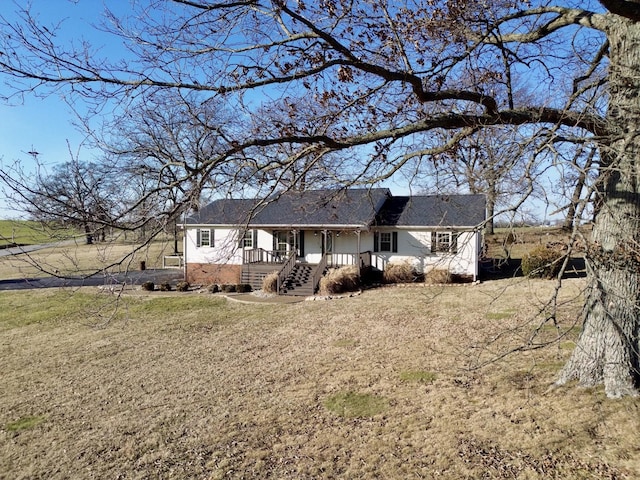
(607, 350)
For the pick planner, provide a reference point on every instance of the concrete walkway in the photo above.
(275, 299)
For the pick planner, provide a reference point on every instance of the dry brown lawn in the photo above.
(195, 386)
(79, 259)
(516, 242)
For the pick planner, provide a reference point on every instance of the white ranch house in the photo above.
(300, 234)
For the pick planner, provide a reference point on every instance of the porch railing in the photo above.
(341, 259)
(286, 269)
(317, 275)
(260, 255)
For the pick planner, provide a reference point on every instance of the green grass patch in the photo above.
(550, 366)
(417, 376)
(51, 308)
(177, 304)
(25, 423)
(499, 315)
(198, 311)
(570, 345)
(20, 309)
(356, 405)
(26, 232)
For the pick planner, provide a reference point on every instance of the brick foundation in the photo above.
(209, 273)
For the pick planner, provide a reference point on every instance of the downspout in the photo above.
(479, 247)
(475, 254)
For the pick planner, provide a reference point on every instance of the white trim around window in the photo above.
(249, 239)
(204, 237)
(444, 242)
(385, 242)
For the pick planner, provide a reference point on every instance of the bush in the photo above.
(402, 272)
(165, 287)
(228, 288)
(213, 288)
(270, 283)
(340, 280)
(243, 288)
(182, 286)
(370, 275)
(437, 276)
(148, 286)
(541, 262)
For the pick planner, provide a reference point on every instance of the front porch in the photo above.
(296, 275)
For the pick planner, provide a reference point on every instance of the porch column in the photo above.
(295, 241)
(324, 242)
(358, 262)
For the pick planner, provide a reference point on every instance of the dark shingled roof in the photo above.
(433, 210)
(349, 207)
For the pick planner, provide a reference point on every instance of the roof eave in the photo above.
(330, 226)
(430, 227)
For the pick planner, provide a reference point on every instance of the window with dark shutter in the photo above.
(204, 237)
(385, 241)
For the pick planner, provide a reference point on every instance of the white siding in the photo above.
(224, 251)
(413, 246)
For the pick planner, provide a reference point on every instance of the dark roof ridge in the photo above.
(348, 206)
(441, 210)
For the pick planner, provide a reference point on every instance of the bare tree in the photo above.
(578, 178)
(495, 161)
(377, 79)
(162, 144)
(73, 194)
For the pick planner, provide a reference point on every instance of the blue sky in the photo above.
(42, 125)
(45, 125)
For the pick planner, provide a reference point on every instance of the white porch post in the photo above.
(358, 262)
(324, 243)
(295, 241)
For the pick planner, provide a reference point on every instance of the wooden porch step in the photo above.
(254, 273)
(299, 281)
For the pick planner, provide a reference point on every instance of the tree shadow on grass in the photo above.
(500, 268)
